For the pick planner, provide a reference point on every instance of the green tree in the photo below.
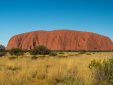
(16, 51)
(2, 48)
(40, 50)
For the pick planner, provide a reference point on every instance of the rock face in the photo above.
(61, 40)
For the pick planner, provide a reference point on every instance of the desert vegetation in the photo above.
(16, 52)
(40, 50)
(102, 72)
(41, 66)
(2, 50)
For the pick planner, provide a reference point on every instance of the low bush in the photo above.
(88, 53)
(53, 54)
(62, 56)
(41, 56)
(2, 54)
(61, 53)
(2, 48)
(40, 50)
(82, 52)
(77, 54)
(16, 51)
(71, 55)
(2, 51)
(34, 57)
(102, 72)
(12, 57)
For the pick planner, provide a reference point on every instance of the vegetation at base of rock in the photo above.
(82, 53)
(16, 51)
(12, 57)
(102, 72)
(40, 50)
(2, 54)
(34, 57)
(53, 54)
(2, 48)
(61, 52)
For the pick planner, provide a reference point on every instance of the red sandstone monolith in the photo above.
(61, 40)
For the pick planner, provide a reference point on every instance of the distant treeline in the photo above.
(82, 50)
(77, 50)
(72, 50)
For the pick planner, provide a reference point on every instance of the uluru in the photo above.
(61, 40)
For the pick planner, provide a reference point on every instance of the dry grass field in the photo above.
(68, 68)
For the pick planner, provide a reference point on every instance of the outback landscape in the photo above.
(56, 42)
(64, 69)
(67, 58)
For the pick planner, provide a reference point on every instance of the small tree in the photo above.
(40, 50)
(16, 51)
(2, 50)
(53, 54)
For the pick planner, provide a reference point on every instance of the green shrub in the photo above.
(88, 53)
(12, 57)
(72, 81)
(2, 48)
(82, 52)
(94, 53)
(102, 72)
(34, 57)
(41, 56)
(40, 50)
(62, 56)
(71, 55)
(16, 51)
(53, 54)
(2, 54)
(77, 54)
(61, 53)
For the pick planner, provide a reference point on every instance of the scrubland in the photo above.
(67, 68)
